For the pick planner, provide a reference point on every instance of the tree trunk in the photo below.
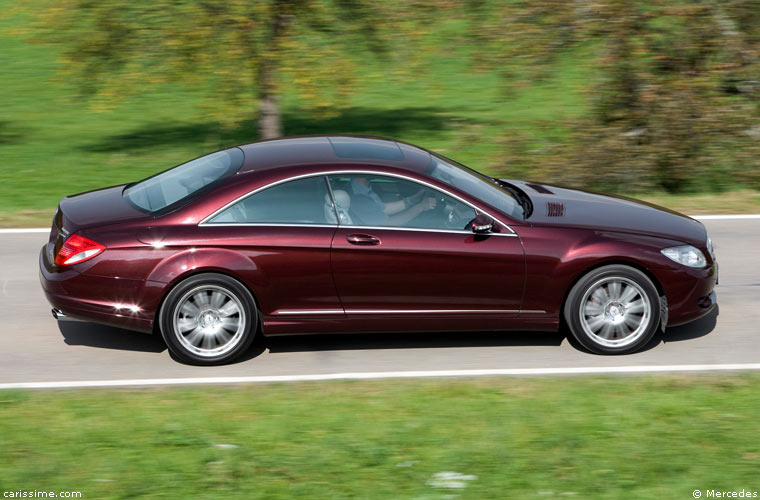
(270, 118)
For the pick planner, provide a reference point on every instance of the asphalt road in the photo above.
(34, 347)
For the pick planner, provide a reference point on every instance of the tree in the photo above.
(236, 51)
(675, 92)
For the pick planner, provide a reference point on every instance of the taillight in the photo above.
(77, 249)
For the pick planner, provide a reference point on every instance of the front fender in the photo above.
(556, 258)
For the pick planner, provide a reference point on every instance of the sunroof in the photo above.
(356, 147)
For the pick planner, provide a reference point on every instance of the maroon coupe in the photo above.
(361, 234)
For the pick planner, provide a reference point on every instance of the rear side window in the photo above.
(180, 183)
(302, 201)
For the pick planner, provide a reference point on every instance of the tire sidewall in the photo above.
(170, 303)
(572, 308)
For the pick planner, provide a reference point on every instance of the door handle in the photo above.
(362, 239)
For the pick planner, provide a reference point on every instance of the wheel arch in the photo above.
(198, 271)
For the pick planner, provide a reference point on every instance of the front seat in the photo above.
(342, 202)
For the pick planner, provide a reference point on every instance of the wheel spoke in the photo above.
(635, 307)
(632, 321)
(189, 309)
(593, 309)
(187, 324)
(222, 337)
(595, 322)
(229, 309)
(599, 295)
(628, 294)
(621, 331)
(209, 341)
(230, 324)
(217, 299)
(195, 336)
(613, 290)
(606, 330)
(201, 298)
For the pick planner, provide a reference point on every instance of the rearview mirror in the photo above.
(482, 224)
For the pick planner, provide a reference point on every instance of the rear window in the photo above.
(171, 187)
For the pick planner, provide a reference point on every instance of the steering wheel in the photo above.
(444, 212)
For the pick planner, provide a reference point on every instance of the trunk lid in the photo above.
(97, 208)
(86, 210)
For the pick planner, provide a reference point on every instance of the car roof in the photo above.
(333, 150)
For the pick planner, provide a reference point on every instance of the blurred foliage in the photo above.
(626, 96)
(238, 51)
(675, 95)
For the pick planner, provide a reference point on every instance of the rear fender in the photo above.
(196, 260)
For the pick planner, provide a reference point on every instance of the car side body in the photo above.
(310, 278)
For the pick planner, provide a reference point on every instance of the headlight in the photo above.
(710, 248)
(686, 255)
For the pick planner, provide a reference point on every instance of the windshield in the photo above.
(475, 183)
(179, 183)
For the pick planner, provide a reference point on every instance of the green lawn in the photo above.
(591, 437)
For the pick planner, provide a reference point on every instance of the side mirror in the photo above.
(482, 224)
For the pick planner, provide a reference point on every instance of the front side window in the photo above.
(383, 201)
(182, 182)
(302, 201)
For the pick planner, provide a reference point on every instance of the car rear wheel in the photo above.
(613, 310)
(208, 319)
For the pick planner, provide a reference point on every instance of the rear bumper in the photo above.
(112, 301)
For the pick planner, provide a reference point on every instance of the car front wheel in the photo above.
(208, 319)
(613, 310)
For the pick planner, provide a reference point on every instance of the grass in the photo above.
(616, 437)
(613, 437)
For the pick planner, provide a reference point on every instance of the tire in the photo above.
(613, 310)
(208, 319)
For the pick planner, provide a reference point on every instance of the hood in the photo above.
(563, 207)
(97, 208)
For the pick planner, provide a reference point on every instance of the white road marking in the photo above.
(26, 230)
(23, 230)
(590, 370)
(721, 217)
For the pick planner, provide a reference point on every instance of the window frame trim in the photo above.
(205, 221)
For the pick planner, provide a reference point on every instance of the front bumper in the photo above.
(690, 293)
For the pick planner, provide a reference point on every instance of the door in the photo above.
(403, 248)
(284, 231)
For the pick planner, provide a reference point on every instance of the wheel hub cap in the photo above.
(210, 320)
(615, 312)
